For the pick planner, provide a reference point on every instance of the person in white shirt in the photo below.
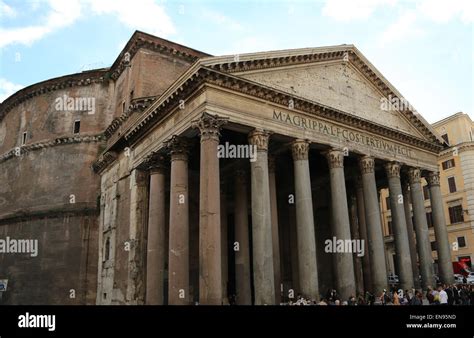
(443, 296)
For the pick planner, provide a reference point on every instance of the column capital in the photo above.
(433, 178)
(366, 164)
(259, 138)
(393, 169)
(178, 148)
(335, 158)
(271, 163)
(209, 126)
(155, 163)
(414, 175)
(300, 149)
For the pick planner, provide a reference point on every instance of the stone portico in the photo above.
(208, 229)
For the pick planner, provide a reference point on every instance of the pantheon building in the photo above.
(246, 179)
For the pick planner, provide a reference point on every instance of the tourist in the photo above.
(442, 295)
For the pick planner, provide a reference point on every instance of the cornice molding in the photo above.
(206, 75)
(137, 106)
(67, 81)
(50, 143)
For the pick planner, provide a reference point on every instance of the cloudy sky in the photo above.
(423, 47)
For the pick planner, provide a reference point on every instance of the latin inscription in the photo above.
(342, 133)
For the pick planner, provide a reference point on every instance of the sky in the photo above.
(423, 47)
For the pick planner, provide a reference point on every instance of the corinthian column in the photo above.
(306, 240)
(210, 273)
(439, 221)
(343, 262)
(378, 266)
(264, 282)
(399, 226)
(178, 266)
(421, 229)
(411, 234)
(367, 275)
(155, 261)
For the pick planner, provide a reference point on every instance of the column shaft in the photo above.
(178, 266)
(378, 266)
(343, 263)
(264, 283)
(439, 222)
(156, 238)
(411, 235)
(367, 275)
(210, 265)
(421, 229)
(399, 227)
(308, 270)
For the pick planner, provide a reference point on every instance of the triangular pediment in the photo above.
(336, 85)
(338, 77)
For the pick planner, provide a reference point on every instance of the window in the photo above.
(445, 137)
(429, 219)
(77, 126)
(23, 138)
(434, 247)
(390, 229)
(387, 202)
(107, 249)
(462, 242)
(448, 164)
(426, 192)
(452, 184)
(455, 214)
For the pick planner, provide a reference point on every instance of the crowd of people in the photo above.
(442, 295)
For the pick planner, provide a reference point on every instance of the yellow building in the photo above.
(456, 166)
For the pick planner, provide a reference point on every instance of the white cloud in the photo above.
(349, 10)
(405, 26)
(220, 19)
(143, 15)
(7, 88)
(61, 14)
(6, 11)
(441, 11)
